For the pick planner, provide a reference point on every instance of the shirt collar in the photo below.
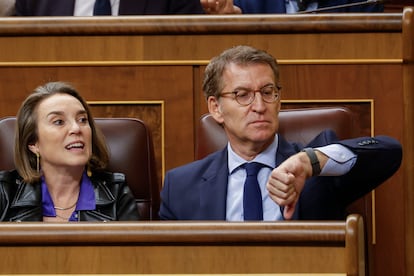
(267, 157)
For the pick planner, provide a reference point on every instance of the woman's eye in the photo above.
(83, 120)
(58, 122)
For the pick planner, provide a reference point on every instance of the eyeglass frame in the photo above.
(276, 94)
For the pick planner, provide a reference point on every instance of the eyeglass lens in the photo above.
(246, 97)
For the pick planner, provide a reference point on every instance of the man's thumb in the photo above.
(289, 210)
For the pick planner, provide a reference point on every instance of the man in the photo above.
(118, 7)
(290, 6)
(243, 94)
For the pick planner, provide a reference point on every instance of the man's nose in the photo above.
(258, 102)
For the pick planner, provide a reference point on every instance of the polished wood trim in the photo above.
(201, 24)
(408, 34)
(227, 274)
(174, 233)
(408, 157)
(355, 239)
(102, 63)
(189, 62)
(338, 61)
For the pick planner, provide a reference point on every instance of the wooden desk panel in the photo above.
(183, 248)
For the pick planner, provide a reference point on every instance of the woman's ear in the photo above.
(214, 109)
(33, 148)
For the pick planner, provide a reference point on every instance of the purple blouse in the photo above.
(86, 200)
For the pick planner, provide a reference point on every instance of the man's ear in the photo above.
(214, 109)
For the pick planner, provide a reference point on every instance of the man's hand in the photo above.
(287, 180)
(220, 7)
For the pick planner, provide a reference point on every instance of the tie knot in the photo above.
(252, 168)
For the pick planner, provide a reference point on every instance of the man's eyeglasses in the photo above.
(270, 94)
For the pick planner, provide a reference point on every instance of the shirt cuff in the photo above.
(341, 160)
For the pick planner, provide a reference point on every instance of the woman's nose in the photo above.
(74, 127)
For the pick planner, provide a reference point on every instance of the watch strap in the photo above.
(316, 167)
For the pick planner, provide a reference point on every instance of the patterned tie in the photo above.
(102, 7)
(252, 197)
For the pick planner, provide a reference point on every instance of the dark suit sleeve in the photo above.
(165, 213)
(197, 190)
(44, 8)
(327, 197)
(373, 7)
(378, 159)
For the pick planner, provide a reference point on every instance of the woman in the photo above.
(60, 158)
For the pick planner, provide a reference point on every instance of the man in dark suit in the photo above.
(290, 6)
(293, 182)
(126, 7)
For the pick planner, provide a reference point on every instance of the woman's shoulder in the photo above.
(107, 176)
(11, 176)
(110, 183)
(11, 182)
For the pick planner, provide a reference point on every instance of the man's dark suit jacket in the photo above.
(126, 7)
(278, 6)
(198, 191)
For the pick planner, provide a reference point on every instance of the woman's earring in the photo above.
(88, 170)
(37, 162)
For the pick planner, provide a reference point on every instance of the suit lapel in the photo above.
(213, 188)
(284, 150)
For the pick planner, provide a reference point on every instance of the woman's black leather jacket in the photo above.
(20, 201)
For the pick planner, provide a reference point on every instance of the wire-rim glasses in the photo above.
(270, 94)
